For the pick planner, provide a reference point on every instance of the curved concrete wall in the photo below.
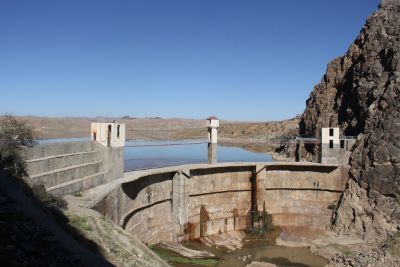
(190, 201)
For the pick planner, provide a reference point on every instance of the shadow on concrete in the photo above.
(130, 215)
(213, 170)
(301, 168)
(133, 188)
(26, 204)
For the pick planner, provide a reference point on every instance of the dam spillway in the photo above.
(193, 201)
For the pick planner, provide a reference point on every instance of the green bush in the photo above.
(80, 222)
(14, 135)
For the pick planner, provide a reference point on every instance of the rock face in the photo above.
(360, 93)
(384, 254)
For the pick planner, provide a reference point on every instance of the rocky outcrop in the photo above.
(366, 214)
(380, 254)
(360, 93)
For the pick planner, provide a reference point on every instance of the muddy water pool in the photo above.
(256, 247)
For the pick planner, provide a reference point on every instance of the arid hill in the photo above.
(230, 132)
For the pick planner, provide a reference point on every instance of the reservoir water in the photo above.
(141, 154)
(144, 154)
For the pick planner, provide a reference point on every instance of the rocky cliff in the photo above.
(360, 93)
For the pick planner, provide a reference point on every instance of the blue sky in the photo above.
(240, 60)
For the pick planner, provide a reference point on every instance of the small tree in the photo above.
(14, 135)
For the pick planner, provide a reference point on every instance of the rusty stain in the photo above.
(259, 187)
(191, 230)
(235, 212)
(235, 215)
(204, 218)
(254, 192)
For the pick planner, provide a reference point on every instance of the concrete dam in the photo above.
(192, 201)
(188, 202)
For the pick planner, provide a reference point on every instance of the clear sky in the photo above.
(238, 60)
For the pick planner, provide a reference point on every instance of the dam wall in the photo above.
(69, 167)
(300, 198)
(192, 201)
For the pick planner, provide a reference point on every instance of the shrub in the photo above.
(332, 206)
(81, 222)
(47, 199)
(14, 135)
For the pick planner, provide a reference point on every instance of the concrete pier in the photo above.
(212, 153)
(212, 125)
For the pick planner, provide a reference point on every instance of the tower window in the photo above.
(341, 143)
(118, 130)
(330, 143)
(330, 132)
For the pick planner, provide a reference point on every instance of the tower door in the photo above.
(109, 135)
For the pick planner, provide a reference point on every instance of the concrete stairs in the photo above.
(42, 165)
(83, 183)
(65, 168)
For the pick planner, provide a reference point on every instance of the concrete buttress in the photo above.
(180, 197)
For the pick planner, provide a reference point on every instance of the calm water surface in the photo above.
(152, 154)
(145, 156)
